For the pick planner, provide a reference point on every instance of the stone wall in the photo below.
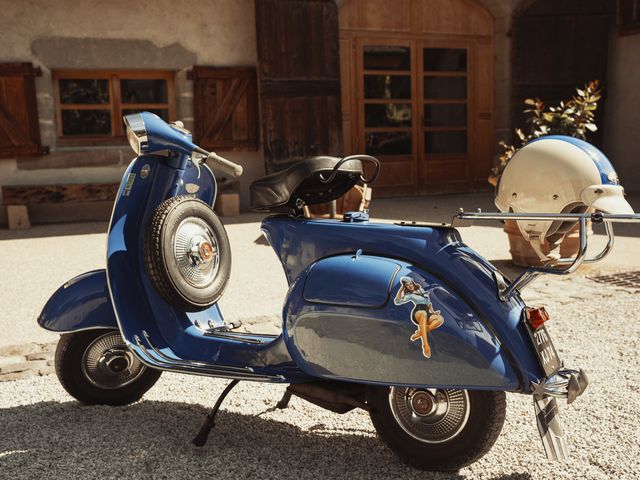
(120, 35)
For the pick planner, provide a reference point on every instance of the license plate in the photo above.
(545, 350)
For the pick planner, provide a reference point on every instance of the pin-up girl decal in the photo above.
(422, 314)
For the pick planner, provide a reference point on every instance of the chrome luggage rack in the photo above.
(562, 266)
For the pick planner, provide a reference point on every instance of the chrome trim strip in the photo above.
(147, 358)
(188, 363)
(595, 217)
(156, 359)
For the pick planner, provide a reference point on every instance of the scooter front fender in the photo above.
(80, 304)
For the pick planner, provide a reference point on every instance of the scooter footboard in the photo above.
(80, 304)
(383, 321)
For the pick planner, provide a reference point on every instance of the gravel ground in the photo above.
(47, 435)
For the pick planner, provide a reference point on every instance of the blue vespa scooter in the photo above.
(404, 320)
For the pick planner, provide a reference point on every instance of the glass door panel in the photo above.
(445, 96)
(387, 108)
(387, 103)
(387, 57)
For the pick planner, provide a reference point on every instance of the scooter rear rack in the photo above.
(562, 266)
(152, 356)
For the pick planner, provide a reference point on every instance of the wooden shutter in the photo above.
(19, 128)
(299, 75)
(225, 107)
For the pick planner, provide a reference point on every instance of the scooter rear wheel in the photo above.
(187, 253)
(437, 429)
(96, 367)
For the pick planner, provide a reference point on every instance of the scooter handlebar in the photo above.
(227, 166)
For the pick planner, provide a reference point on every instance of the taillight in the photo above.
(536, 316)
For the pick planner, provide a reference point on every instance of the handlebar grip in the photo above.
(225, 165)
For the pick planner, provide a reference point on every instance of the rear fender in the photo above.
(80, 304)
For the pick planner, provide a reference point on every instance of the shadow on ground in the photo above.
(55, 230)
(153, 440)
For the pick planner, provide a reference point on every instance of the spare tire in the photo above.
(187, 253)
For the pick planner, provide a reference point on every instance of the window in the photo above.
(628, 16)
(90, 103)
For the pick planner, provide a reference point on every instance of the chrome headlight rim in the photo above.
(136, 132)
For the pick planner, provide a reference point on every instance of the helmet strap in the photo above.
(554, 254)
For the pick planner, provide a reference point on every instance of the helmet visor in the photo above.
(607, 199)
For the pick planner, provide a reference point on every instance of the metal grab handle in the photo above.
(603, 253)
(572, 264)
(366, 158)
(596, 217)
(534, 272)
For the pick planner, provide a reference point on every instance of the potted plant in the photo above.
(575, 118)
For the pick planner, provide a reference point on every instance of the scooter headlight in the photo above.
(136, 133)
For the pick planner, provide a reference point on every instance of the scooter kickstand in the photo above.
(210, 420)
(284, 401)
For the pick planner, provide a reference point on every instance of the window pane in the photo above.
(143, 91)
(86, 122)
(388, 143)
(445, 142)
(445, 60)
(162, 113)
(445, 87)
(387, 57)
(390, 115)
(84, 91)
(445, 115)
(387, 86)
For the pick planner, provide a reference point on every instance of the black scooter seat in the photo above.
(301, 184)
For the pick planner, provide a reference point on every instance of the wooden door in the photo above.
(424, 108)
(417, 91)
(299, 79)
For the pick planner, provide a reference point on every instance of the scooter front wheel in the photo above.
(96, 367)
(437, 429)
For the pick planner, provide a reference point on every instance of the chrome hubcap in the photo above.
(196, 252)
(108, 363)
(430, 415)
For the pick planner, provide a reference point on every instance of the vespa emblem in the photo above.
(423, 315)
(145, 170)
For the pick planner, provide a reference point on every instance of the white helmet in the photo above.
(558, 174)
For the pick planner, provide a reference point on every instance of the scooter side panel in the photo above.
(438, 251)
(80, 304)
(344, 339)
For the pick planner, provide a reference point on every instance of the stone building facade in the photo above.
(120, 36)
